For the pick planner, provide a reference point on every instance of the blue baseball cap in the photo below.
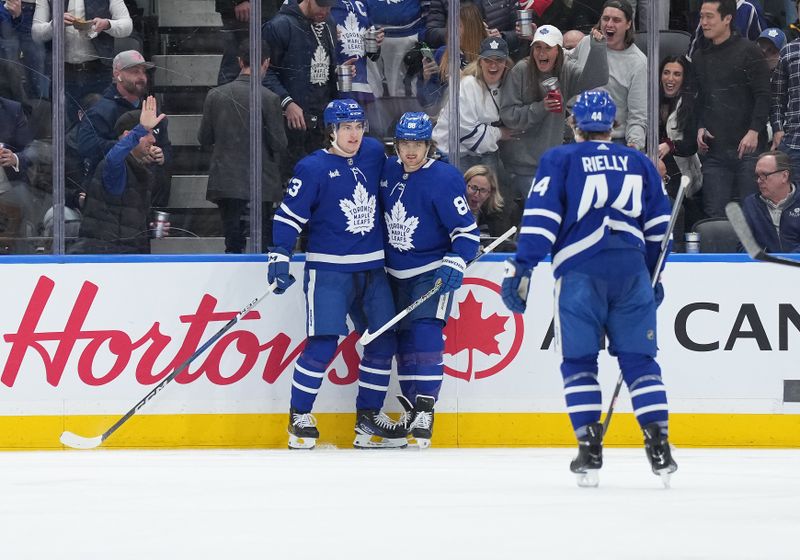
(775, 36)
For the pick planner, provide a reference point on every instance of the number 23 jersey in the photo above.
(425, 217)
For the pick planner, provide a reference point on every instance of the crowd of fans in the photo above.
(731, 97)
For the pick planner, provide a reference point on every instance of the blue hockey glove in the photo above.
(658, 292)
(278, 269)
(515, 286)
(451, 273)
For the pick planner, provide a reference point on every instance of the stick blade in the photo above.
(79, 442)
(743, 231)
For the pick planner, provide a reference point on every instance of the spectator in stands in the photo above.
(627, 72)
(677, 148)
(226, 126)
(235, 15)
(353, 19)
(571, 39)
(403, 25)
(785, 109)
(733, 101)
(26, 51)
(774, 212)
(748, 21)
(91, 26)
(96, 134)
(538, 114)
(116, 216)
(435, 73)
(17, 213)
(487, 205)
(499, 17)
(302, 39)
(771, 42)
(793, 29)
(558, 13)
(480, 129)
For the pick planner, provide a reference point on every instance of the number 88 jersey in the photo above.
(426, 216)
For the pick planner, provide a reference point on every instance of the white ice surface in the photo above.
(435, 504)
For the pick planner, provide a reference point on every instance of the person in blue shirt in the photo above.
(601, 210)
(333, 196)
(430, 236)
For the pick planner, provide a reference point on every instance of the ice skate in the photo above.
(302, 430)
(421, 420)
(589, 460)
(659, 453)
(375, 430)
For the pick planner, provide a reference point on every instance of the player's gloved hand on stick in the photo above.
(278, 269)
(451, 273)
(515, 286)
(658, 292)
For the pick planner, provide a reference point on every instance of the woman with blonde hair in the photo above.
(435, 73)
(487, 205)
(480, 129)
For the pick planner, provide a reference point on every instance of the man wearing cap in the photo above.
(784, 112)
(96, 131)
(90, 29)
(771, 42)
(302, 72)
(117, 210)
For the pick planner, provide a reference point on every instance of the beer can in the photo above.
(692, 239)
(159, 220)
(371, 40)
(550, 84)
(344, 77)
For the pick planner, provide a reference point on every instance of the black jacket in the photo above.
(498, 14)
(732, 81)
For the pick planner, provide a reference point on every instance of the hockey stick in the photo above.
(79, 442)
(745, 235)
(653, 281)
(368, 337)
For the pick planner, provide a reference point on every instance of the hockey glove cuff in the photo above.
(515, 286)
(278, 269)
(451, 273)
(658, 292)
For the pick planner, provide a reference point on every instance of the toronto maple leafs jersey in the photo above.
(584, 195)
(425, 216)
(335, 199)
(352, 21)
(399, 18)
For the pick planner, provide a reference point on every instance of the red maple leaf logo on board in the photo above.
(473, 332)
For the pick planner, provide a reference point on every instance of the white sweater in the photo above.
(478, 111)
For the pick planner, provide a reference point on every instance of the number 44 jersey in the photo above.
(426, 216)
(587, 197)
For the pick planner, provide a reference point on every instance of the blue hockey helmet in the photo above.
(343, 110)
(594, 111)
(414, 126)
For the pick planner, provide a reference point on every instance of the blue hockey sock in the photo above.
(421, 361)
(374, 371)
(310, 370)
(648, 395)
(582, 392)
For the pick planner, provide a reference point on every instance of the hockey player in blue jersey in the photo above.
(333, 195)
(430, 235)
(601, 210)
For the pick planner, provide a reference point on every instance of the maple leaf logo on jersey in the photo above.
(319, 66)
(351, 36)
(360, 212)
(400, 227)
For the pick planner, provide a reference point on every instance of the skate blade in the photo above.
(666, 476)
(422, 443)
(301, 443)
(588, 479)
(367, 441)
